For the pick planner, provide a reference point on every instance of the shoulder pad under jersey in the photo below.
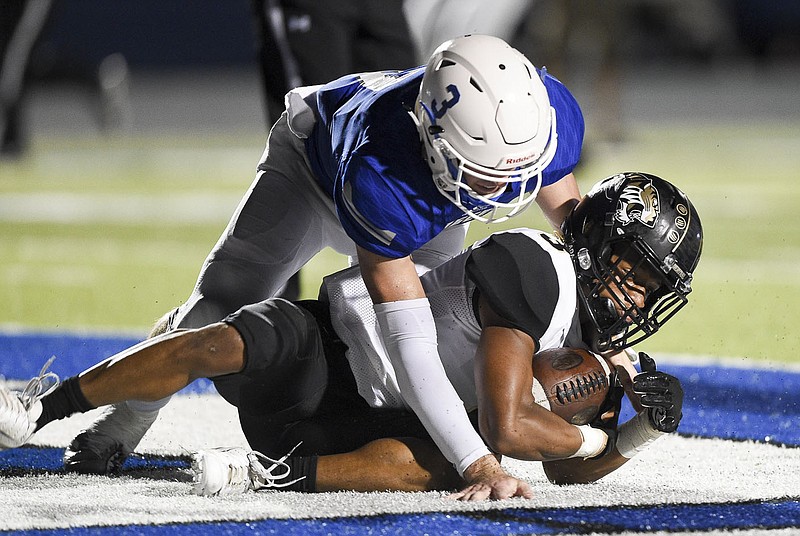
(515, 273)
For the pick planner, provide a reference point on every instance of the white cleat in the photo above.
(16, 426)
(236, 470)
(19, 411)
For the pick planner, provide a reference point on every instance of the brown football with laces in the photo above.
(571, 382)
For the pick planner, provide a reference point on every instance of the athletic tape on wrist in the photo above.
(636, 435)
(594, 442)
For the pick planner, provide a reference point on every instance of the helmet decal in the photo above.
(439, 110)
(638, 201)
(681, 222)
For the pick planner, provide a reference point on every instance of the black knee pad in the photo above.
(285, 366)
(276, 331)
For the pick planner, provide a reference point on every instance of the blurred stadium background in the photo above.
(143, 124)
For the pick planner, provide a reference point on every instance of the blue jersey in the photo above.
(366, 153)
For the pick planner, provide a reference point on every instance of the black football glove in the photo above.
(660, 393)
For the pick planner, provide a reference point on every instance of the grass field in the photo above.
(108, 234)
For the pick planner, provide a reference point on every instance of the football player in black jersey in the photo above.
(311, 373)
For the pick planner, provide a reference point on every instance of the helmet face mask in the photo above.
(484, 114)
(453, 184)
(627, 298)
(635, 240)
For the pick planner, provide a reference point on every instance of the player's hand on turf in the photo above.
(488, 480)
(660, 393)
(500, 488)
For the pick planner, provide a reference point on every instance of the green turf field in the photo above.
(110, 233)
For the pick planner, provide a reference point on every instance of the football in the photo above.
(571, 382)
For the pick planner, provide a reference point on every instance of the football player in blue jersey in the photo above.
(320, 374)
(389, 168)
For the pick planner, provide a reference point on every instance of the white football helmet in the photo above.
(483, 111)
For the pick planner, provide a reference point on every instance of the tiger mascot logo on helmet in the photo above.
(638, 202)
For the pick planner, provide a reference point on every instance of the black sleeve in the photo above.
(516, 275)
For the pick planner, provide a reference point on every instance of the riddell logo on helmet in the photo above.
(519, 160)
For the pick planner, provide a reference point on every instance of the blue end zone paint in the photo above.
(644, 519)
(763, 405)
(22, 355)
(17, 461)
(738, 403)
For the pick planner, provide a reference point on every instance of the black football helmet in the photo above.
(632, 231)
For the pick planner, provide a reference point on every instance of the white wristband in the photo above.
(594, 441)
(636, 435)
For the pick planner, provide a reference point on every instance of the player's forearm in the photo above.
(557, 200)
(633, 437)
(582, 471)
(536, 435)
(409, 335)
(511, 421)
(483, 469)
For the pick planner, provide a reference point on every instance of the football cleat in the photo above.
(103, 447)
(19, 411)
(236, 470)
(16, 425)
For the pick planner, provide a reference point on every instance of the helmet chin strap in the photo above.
(607, 313)
(605, 316)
